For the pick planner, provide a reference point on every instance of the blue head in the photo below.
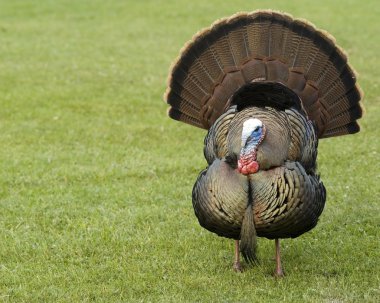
(252, 135)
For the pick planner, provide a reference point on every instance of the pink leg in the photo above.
(279, 272)
(237, 266)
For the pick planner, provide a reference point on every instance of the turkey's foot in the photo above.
(279, 273)
(237, 267)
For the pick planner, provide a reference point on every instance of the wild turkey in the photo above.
(267, 87)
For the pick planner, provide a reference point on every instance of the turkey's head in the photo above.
(252, 135)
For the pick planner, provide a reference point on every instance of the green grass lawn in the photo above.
(95, 197)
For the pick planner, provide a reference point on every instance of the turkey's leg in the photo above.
(237, 265)
(278, 272)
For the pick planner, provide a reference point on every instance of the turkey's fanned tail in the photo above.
(268, 48)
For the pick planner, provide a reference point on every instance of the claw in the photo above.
(237, 267)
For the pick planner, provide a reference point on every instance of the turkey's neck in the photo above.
(249, 151)
(248, 154)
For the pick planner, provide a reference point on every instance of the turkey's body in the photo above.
(286, 199)
(267, 87)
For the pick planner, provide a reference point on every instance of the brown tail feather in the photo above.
(265, 46)
(179, 116)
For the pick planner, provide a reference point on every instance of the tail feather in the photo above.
(343, 103)
(340, 86)
(180, 116)
(305, 33)
(351, 128)
(238, 43)
(346, 117)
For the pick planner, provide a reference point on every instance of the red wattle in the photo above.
(247, 168)
(253, 167)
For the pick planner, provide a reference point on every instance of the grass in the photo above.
(95, 197)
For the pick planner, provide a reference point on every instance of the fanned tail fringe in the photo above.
(300, 65)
